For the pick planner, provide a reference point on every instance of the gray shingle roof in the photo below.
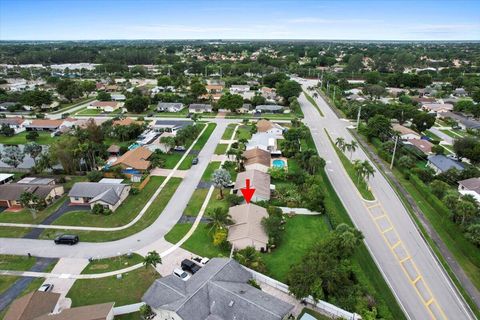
(218, 291)
(106, 192)
(444, 163)
(269, 107)
(167, 105)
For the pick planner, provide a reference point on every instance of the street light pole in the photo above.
(394, 151)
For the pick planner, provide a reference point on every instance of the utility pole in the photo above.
(394, 151)
(358, 117)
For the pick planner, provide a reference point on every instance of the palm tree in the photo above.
(315, 163)
(219, 218)
(358, 167)
(340, 143)
(315, 95)
(352, 147)
(368, 170)
(152, 259)
(250, 258)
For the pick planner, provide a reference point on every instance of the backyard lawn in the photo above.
(147, 219)
(44, 138)
(127, 290)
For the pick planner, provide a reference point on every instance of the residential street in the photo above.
(169, 217)
(407, 263)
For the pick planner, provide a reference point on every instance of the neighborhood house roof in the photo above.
(169, 105)
(257, 155)
(263, 140)
(93, 312)
(422, 145)
(176, 124)
(105, 192)
(248, 223)
(265, 125)
(45, 123)
(125, 122)
(467, 122)
(269, 107)
(5, 176)
(113, 149)
(438, 107)
(37, 181)
(12, 121)
(219, 290)
(258, 180)
(404, 130)
(13, 191)
(136, 158)
(198, 106)
(472, 184)
(444, 163)
(32, 305)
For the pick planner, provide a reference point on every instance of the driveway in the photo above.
(21, 284)
(64, 208)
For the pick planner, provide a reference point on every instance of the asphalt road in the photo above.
(167, 219)
(411, 270)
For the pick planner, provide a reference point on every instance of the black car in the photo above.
(195, 161)
(67, 239)
(190, 266)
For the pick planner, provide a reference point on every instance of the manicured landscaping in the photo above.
(432, 135)
(147, 219)
(227, 134)
(44, 138)
(301, 232)
(12, 262)
(360, 183)
(221, 148)
(26, 216)
(187, 162)
(452, 133)
(244, 132)
(313, 102)
(68, 106)
(112, 264)
(207, 174)
(204, 137)
(195, 202)
(127, 211)
(126, 290)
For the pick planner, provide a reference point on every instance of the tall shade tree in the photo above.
(65, 151)
(33, 149)
(13, 156)
(221, 179)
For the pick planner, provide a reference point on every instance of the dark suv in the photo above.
(67, 239)
(190, 266)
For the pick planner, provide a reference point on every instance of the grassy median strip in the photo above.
(359, 182)
(148, 218)
(227, 134)
(221, 148)
(312, 101)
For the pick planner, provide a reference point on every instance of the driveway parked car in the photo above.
(190, 266)
(195, 161)
(70, 239)
(181, 274)
(47, 287)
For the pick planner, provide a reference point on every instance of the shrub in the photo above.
(94, 176)
(233, 199)
(32, 135)
(134, 191)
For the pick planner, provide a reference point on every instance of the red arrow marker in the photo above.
(247, 191)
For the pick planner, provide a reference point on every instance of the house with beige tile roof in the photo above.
(259, 180)
(421, 145)
(44, 125)
(247, 229)
(268, 126)
(257, 159)
(405, 133)
(106, 106)
(136, 159)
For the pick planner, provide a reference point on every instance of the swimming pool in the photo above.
(278, 163)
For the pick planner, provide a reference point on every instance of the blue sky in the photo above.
(185, 19)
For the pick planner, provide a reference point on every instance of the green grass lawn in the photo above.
(127, 211)
(147, 219)
(244, 132)
(301, 232)
(195, 202)
(221, 148)
(452, 133)
(112, 264)
(26, 216)
(361, 185)
(313, 102)
(44, 138)
(129, 316)
(432, 135)
(227, 134)
(187, 162)
(127, 290)
(67, 106)
(314, 314)
(12, 262)
(204, 137)
(207, 174)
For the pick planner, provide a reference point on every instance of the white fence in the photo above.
(328, 308)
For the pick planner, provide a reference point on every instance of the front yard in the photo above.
(44, 138)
